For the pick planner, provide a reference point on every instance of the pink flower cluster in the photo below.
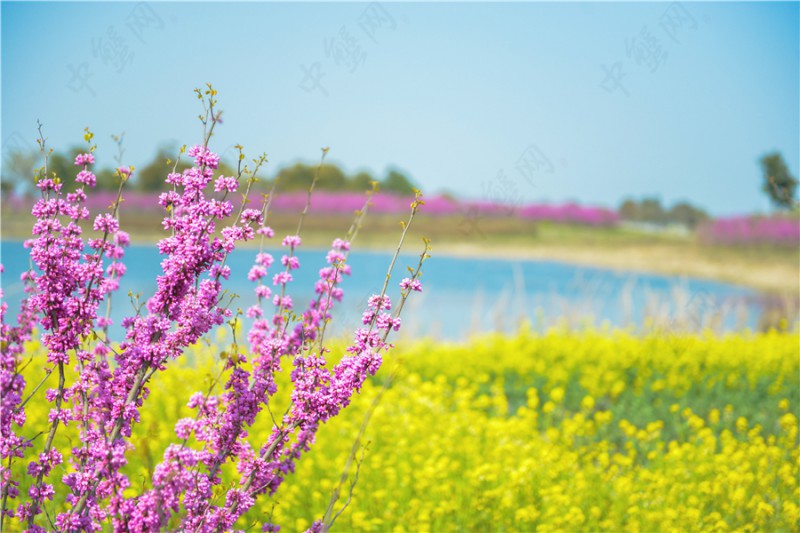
(752, 230)
(327, 202)
(64, 293)
(12, 387)
(570, 213)
(73, 275)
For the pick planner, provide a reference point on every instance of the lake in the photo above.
(463, 296)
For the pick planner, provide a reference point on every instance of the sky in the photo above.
(520, 102)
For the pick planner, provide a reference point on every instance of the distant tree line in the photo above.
(299, 177)
(650, 210)
(19, 168)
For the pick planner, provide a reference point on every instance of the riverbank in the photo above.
(775, 275)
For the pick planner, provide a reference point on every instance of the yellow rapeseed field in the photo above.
(590, 431)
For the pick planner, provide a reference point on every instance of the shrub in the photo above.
(102, 385)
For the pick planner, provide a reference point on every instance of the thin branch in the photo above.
(352, 486)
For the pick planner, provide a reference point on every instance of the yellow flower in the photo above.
(557, 395)
(587, 403)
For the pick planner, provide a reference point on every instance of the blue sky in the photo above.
(498, 101)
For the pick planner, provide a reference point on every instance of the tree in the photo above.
(331, 178)
(150, 177)
(629, 210)
(62, 164)
(362, 181)
(651, 211)
(18, 168)
(687, 214)
(779, 184)
(296, 177)
(396, 182)
(107, 179)
(299, 177)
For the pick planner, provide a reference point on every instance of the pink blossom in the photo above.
(84, 176)
(409, 284)
(84, 159)
(227, 184)
(291, 241)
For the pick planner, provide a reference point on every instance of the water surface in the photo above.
(462, 295)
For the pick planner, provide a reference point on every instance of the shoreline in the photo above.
(774, 279)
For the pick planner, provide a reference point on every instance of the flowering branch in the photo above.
(72, 275)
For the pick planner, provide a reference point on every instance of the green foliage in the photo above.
(107, 179)
(651, 211)
(298, 177)
(18, 169)
(150, 177)
(397, 182)
(779, 184)
(687, 214)
(362, 181)
(62, 164)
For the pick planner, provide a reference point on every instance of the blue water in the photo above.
(463, 296)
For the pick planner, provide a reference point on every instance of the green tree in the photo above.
(629, 210)
(62, 164)
(299, 177)
(396, 182)
(18, 170)
(107, 179)
(296, 177)
(651, 211)
(150, 177)
(779, 184)
(361, 181)
(331, 178)
(687, 214)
